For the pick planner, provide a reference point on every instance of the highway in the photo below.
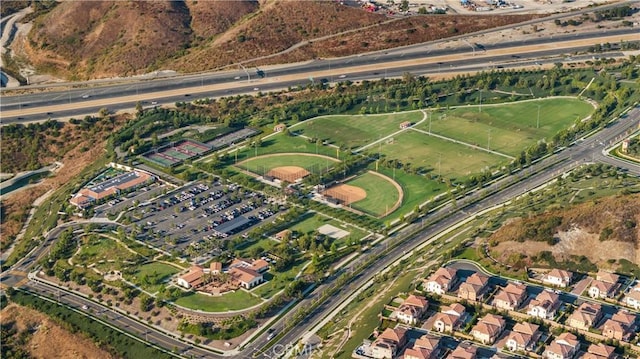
(420, 60)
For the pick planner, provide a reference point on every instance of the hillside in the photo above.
(604, 231)
(82, 40)
(27, 333)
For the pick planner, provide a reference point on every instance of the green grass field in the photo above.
(150, 276)
(417, 189)
(314, 221)
(381, 194)
(511, 127)
(422, 150)
(99, 248)
(229, 301)
(356, 130)
(313, 164)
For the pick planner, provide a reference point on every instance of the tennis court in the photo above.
(161, 160)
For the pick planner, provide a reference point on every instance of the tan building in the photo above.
(487, 330)
(510, 297)
(599, 351)
(425, 347)
(565, 346)
(463, 353)
(523, 337)
(586, 316)
(474, 288)
(621, 326)
(389, 343)
(449, 318)
(192, 279)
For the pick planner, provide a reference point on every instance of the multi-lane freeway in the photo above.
(419, 60)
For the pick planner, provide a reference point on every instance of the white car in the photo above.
(86, 96)
(154, 102)
(85, 307)
(342, 76)
(256, 89)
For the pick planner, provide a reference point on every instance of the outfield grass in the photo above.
(422, 150)
(151, 276)
(229, 301)
(508, 128)
(313, 222)
(417, 189)
(355, 130)
(313, 164)
(381, 194)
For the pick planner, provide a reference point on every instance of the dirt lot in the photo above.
(47, 338)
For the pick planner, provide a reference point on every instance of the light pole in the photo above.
(480, 108)
(429, 121)
(538, 121)
(246, 72)
(489, 140)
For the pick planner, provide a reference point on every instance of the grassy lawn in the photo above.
(311, 163)
(229, 301)
(277, 281)
(513, 126)
(355, 130)
(150, 276)
(313, 222)
(422, 150)
(417, 189)
(98, 248)
(381, 194)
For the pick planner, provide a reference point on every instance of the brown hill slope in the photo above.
(87, 39)
(105, 38)
(603, 231)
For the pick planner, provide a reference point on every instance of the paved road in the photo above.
(418, 60)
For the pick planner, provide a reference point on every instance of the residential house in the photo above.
(544, 305)
(474, 287)
(632, 298)
(192, 279)
(510, 297)
(586, 316)
(558, 278)
(449, 318)
(564, 347)
(412, 309)
(621, 326)
(441, 281)
(467, 352)
(523, 337)
(389, 343)
(425, 347)
(604, 286)
(599, 351)
(488, 328)
(246, 277)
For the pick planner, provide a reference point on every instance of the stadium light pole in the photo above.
(489, 140)
(246, 72)
(480, 108)
(538, 121)
(429, 121)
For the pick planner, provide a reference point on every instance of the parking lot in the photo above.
(197, 219)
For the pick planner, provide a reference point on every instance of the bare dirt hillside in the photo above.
(97, 39)
(604, 231)
(28, 333)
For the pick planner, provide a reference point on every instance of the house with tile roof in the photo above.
(412, 309)
(488, 328)
(632, 298)
(523, 337)
(449, 318)
(425, 347)
(441, 281)
(586, 316)
(474, 288)
(544, 305)
(565, 346)
(558, 278)
(467, 352)
(621, 326)
(389, 343)
(599, 351)
(510, 297)
(604, 286)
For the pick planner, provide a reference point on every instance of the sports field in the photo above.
(355, 130)
(315, 221)
(508, 128)
(382, 195)
(262, 164)
(443, 157)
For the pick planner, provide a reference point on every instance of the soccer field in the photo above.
(441, 156)
(508, 128)
(355, 130)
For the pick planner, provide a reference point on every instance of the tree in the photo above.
(104, 112)
(404, 5)
(422, 10)
(139, 107)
